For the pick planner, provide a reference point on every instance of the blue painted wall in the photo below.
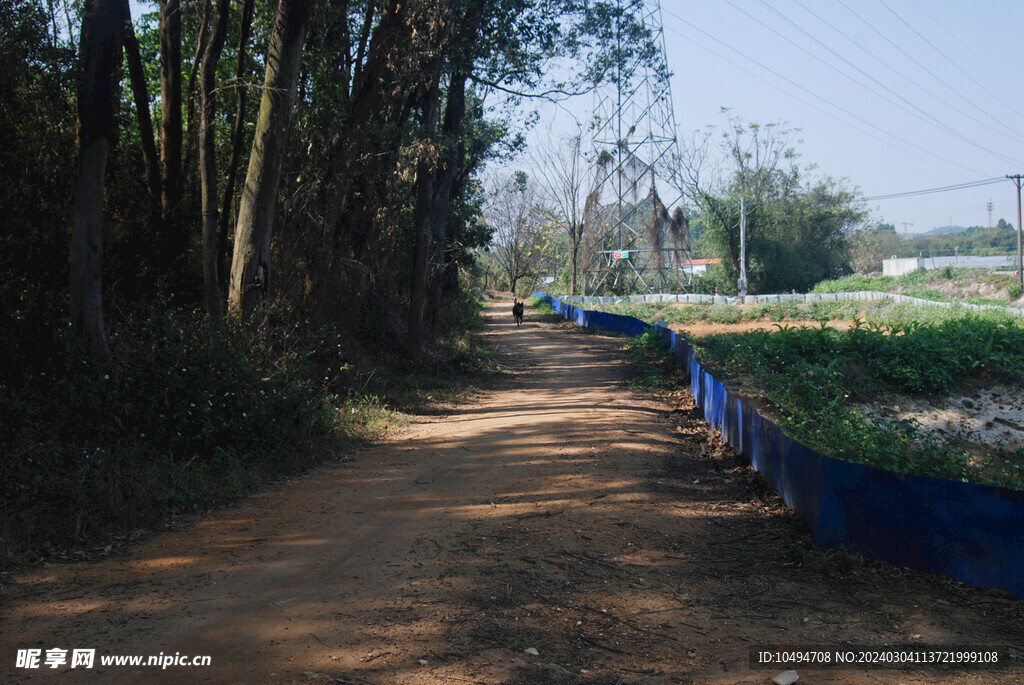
(973, 533)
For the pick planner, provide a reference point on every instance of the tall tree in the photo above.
(140, 93)
(208, 161)
(250, 267)
(237, 136)
(516, 215)
(456, 163)
(564, 171)
(170, 122)
(796, 229)
(100, 45)
(426, 215)
(433, 210)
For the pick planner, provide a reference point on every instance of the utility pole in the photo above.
(1016, 178)
(743, 247)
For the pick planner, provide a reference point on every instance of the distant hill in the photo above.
(946, 229)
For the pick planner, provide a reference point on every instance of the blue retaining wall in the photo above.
(973, 533)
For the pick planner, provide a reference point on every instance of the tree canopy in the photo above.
(797, 227)
(218, 214)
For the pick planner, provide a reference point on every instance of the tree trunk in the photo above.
(140, 94)
(446, 189)
(237, 137)
(250, 266)
(190, 90)
(455, 111)
(574, 257)
(425, 217)
(372, 98)
(208, 163)
(190, 184)
(170, 128)
(102, 23)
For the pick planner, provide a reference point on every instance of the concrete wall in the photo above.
(900, 267)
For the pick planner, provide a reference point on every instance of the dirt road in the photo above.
(559, 513)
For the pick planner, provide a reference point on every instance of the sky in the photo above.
(895, 96)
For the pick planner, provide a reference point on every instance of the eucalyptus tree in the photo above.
(403, 103)
(214, 44)
(100, 53)
(510, 47)
(171, 131)
(250, 268)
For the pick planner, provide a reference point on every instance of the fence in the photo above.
(861, 295)
(973, 533)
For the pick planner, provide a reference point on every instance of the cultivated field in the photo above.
(933, 391)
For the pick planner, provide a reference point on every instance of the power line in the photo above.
(899, 139)
(942, 189)
(1008, 129)
(966, 47)
(944, 55)
(925, 116)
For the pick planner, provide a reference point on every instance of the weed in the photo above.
(845, 560)
(653, 362)
(721, 313)
(190, 419)
(542, 306)
(799, 553)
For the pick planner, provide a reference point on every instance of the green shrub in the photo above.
(541, 305)
(723, 313)
(188, 419)
(812, 374)
(856, 283)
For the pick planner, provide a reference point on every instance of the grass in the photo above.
(653, 363)
(726, 314)
(542, 306)
(816, 377)
(921, 284)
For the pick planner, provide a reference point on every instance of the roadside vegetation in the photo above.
(168, 341)
(818, 382)
(726, 313)
(941, 285)
(192, 419)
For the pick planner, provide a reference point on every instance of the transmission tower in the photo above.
(634, 138)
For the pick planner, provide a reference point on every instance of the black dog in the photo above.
(517, 312)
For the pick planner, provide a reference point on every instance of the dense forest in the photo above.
(220, 216)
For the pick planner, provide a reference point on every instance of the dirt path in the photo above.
(558, 512)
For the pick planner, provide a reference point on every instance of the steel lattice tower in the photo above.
(634, 138)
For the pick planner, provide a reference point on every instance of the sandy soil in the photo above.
(990, 417)
(608, 534)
